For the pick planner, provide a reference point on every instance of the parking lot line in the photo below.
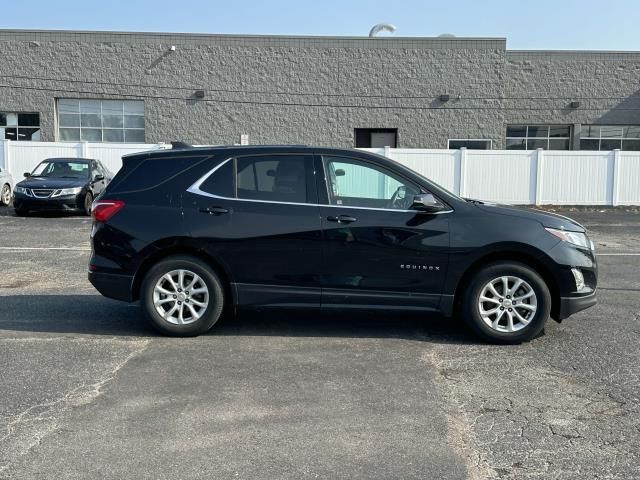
(617, 254)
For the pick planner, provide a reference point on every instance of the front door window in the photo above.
(356, 183)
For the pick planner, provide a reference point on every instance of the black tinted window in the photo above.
(281, 178)
(151, 172)
(220, 182)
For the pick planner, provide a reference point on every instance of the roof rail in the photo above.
(180, 145)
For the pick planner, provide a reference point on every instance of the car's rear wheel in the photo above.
(5, 194)
(88, 201)
(507, 302)
(182, 296)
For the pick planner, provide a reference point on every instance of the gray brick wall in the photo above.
(315, 90)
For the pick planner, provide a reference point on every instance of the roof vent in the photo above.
(446, 35)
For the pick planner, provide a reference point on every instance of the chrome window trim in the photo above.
(195, 189)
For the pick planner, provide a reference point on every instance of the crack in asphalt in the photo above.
(28, 428)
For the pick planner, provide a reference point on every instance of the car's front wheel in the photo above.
(88, 201)
(5, 194)
(507, 302)
(182, 296)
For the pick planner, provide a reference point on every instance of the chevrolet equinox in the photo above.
(190, 231)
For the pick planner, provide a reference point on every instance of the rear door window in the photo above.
(276, 178)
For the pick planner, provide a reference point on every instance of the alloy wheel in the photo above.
(6, 195)
(507, 304)
(181, 297)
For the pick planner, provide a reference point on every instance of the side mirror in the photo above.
(340, 172)
(27, 174)
(426, 202)
(98, 178)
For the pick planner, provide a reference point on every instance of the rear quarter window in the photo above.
(151, 173)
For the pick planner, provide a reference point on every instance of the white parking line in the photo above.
(617, 254)
(72, 249)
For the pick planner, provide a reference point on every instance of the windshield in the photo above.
(60, 169)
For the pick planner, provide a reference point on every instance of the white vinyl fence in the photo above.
(20, 157)
(506, 176)
(530, 176)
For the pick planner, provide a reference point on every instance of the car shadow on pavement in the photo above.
(96, 315)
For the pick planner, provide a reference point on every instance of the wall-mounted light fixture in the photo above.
(574, 104)
(199, 94)
(445, 97)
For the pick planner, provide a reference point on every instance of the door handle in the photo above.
(214, 210)
(342, 219)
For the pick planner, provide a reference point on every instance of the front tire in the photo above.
(506, 302)
(182, 296)
(88, 201)
(5, 195)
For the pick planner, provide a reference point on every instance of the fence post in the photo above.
(462, 188)
(539, 177)
(5, 155)
(615, 188)
(387, 151)
(84, 149)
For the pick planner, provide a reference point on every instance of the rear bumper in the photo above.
(118, 287)
(571, 305)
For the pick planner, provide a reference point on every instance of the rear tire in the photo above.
(514, 314)
(5, 195)
(182, 296)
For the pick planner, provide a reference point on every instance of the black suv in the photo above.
(189, 231)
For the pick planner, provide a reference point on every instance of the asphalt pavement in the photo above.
(87, 390)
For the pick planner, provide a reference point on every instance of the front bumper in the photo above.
(112, 285)
(571, 305)
(68, 202)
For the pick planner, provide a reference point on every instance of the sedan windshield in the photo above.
(59, 169)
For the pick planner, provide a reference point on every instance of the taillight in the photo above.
(103, 210)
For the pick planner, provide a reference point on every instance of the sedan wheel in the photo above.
(5, 195)
(88, 202)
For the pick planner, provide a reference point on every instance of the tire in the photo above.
(5, 195)
(21, 212)
(171, 325)
(88, 201)
(534, 308)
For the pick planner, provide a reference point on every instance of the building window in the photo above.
(610, 137)
(101, 120)
(532, 137)
(471, 144)
(19, 126)
(376, 137)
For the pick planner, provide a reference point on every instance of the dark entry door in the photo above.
(377, 252)
(259, 216)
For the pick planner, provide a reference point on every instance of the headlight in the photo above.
(576, 238)
(67, 191)
(22, 190)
